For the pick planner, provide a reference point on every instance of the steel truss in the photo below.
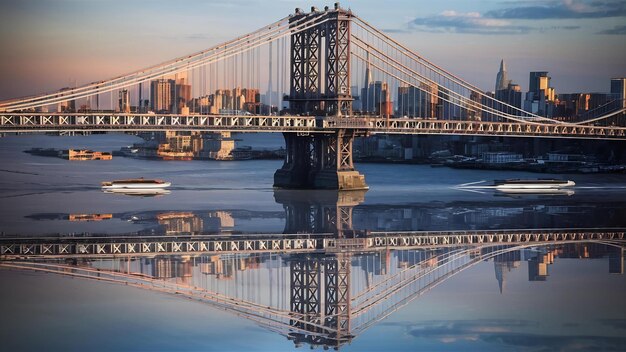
(309, 68)
(320, 296)
(326, 243)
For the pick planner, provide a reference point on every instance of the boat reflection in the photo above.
(343, 212)
(537, 191)
(138, 192)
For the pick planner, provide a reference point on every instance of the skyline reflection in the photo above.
(327, 300)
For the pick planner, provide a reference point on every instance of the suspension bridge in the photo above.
(314, 64)
(315, 292)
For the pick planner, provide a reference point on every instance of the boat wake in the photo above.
(520, 187)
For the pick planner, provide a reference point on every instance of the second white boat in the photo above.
(135, 183)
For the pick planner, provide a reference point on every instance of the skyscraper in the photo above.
(618, 90)
(540, 97)
(124, 101)
(511, 95)
(502, 80)
(162, 92)
(182, 95)
(367, 104)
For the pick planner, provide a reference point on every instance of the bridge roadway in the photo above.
(147, 246)
(108, 122)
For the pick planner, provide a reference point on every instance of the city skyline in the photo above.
(44, 51)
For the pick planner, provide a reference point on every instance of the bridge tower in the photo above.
(320, 86)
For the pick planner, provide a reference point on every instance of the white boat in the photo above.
(135, 183)
(542, 183)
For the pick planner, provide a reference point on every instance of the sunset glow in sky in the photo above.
(49, 44)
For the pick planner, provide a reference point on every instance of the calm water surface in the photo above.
(545, 297)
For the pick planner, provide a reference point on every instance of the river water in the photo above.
(560, 296)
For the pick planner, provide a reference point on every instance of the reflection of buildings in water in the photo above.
(616, 261)
(594, 251)
(89, 217)
(540, 259)
(180, 222)
(224, 267)
(376, 265)
(503, 264)
(538, 266)
(331, 211)
(189, 222)
(225, 218)
(469, 215)
(324, 298)
(168, 267)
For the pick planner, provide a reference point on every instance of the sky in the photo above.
(50, 44)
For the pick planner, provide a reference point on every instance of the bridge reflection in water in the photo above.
(319, 283)
(316, 289)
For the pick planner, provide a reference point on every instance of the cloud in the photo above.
(506, 333)
(471, 22)
(617, 30)
(565, 9)
(503, 21)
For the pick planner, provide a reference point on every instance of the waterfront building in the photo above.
(217, 146)
(85, 154)
(501, 157)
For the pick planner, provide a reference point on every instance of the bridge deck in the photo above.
(296, 243)
(59, 122)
